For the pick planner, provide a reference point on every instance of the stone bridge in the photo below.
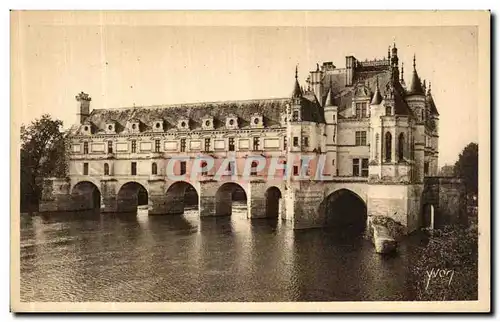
(343, 202)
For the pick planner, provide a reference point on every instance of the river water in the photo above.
(89, 256)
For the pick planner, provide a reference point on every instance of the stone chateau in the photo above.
(378, 135)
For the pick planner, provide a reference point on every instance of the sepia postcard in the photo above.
(240, 161)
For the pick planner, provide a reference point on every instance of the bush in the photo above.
(446, 268)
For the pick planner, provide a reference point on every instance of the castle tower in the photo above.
(83, 107)
(331, 115)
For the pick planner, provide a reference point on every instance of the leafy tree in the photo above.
(467, 167)
(447, 171)
(43, 154)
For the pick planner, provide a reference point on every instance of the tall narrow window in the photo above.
(231, 167)
(154, 168)
(183, 167)
(364, 167)
(295, 141)
(85, 148)
(85, 169)
(355, 167)
(207, 144)
(295, 170)
(363, 110)
(183, 145)
(204, 170)
(377, 145)
(295, 116)
(133, 168)
(256, 144)
(110, 147)
(388, 110)
(388, 147)
(426, 168)
(106, 169)
(253, 171)
(306, 141)
(285, 143)
(358, 110)
(231, 144)
(133, 145)
(157, 145)
(401, 147)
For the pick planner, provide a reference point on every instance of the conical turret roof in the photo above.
(297, 91)
(416, 84)
(377, 97)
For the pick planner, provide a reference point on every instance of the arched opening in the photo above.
(230, 196)
(154, 168)
(273, 202)
(388, 146)
(401, 147)
(86, 196)
(132, 196)
(345, 212)
(181, 197)
(106, 169)
(428, 216)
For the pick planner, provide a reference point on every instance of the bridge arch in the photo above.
(228, 193)
(345, 211)
(130, 196)
(181, 196)
(273, 197)
(86, 195)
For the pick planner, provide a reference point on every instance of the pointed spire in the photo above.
(424, 87)
(297, 92)
(329, 97)
(416, 85)
(429, 91)
(377, 98)
(402, 72)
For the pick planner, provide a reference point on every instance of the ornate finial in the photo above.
(414, 62)
(424, 85)
(83, 97)
(389, 53)
(402, 71)
(317, 67)
(429, 91)
(296, 71)
(394, 44)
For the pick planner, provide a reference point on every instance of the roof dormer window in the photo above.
(110, 128)
(86, 128)
(208, 123)
(257, 121)
(158, 126)
(133, 126)
(232, 122)
(183, 124)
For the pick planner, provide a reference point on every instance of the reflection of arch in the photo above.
(86, 195)
(131, 195)
(388, 146)
(225, 195)
(273, 201)
(401, 146)
(345, 211)
(181, 195)
(428, 216)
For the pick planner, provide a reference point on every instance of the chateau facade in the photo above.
(373, 138)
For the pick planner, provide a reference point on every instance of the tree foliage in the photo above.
(43, 154)
(467, 167)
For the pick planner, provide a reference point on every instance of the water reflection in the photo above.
(125, 257)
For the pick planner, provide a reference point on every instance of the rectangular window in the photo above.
(110, 147)
(157, 145)
(256, 144)
(306, 141)
(183, 167)
(85, 148)
(231, 144)
(285, 143)
(355, 167)
(364, 111)
(231, 167)
(364, 167)
(360, 137)
(295, 141)
(183, 145)
(207, 144)
(361, 109)
(295, 170)
(426, 168)
(85, 169)
(358, 110)
(134, 146)
(133, 168)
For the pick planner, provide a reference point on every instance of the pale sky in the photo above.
(120, 65)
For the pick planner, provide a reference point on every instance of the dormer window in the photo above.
(183, 124)
(208, 123)
(157, 126)
(295, 116)
(110, 128)
(86, 129)
(256, 121)
(133, 126)
(232, 122)
(283, 119)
